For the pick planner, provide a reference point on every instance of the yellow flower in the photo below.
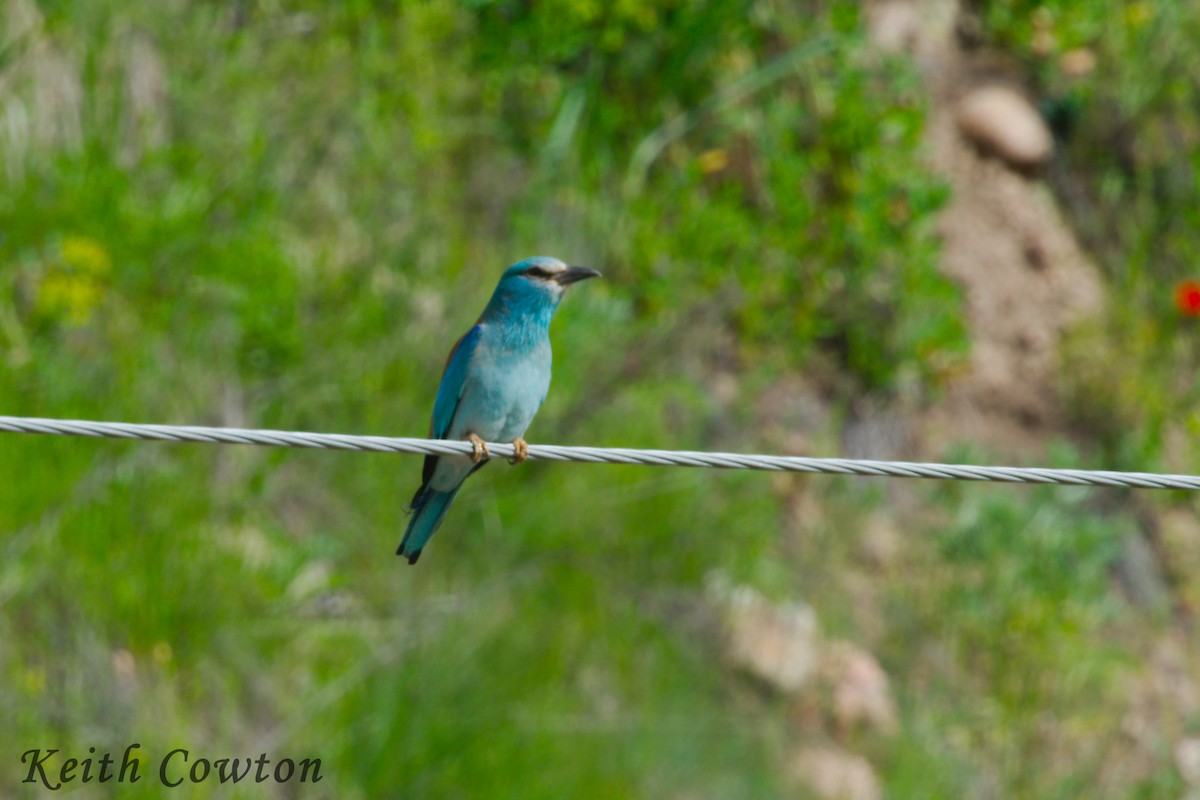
(1138, 14)
(713, 160)
(86, 255)
(74, 282)
(34, 680)
(161, 653)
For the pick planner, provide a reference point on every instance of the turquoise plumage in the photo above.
(495, 379)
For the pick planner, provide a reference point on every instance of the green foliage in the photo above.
(824, 234)
(1131, 150)
(1029, 583)
(792, 203)
(1016, 591)
(632, 60)
(282, 215)
(282, 219)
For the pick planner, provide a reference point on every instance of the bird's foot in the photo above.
(479, 450)
(520, 451)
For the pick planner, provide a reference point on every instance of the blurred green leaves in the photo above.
(791, 200)
(283, 214)
(1130, 153)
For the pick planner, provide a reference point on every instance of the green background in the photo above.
(282, 214)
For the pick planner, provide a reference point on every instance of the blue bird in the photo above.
(495, 379)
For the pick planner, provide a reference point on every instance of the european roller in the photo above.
(495, 379)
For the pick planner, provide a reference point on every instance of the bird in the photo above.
(494, 381)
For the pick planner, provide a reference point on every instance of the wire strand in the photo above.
(598, 455)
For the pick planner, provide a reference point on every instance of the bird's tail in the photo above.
(428, 508)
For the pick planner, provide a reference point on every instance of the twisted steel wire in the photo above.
(599, 455)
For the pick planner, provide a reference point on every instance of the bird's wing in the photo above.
(454, 379)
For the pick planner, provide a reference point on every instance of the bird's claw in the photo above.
(520, 451)
(479, 450)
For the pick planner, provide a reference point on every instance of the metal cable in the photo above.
(598, 455)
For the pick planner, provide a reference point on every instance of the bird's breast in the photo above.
(504, 389)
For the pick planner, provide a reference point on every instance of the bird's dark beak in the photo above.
(572, 274)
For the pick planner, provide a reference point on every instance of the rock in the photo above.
(1078, 62)
(1187, 760)
(1001, 121)
(834, 774)
(881, 542)
(778, 644)
(1026, 282)
(861, 694)
(124, 668)
(893, 25)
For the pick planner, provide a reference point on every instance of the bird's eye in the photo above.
(537, 272)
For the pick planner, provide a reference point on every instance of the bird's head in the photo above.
(540, 281)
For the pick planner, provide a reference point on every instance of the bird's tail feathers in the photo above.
(428, 508)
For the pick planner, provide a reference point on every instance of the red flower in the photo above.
(1187, 298)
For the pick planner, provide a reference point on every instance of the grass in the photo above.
(282, 216)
